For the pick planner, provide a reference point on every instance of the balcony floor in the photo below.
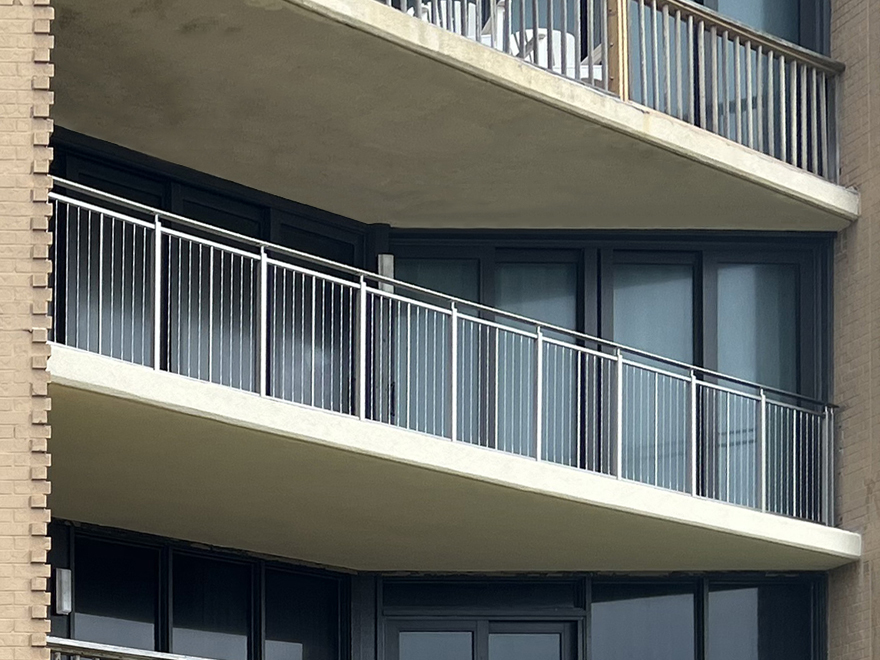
(159, 453)
(356, 108)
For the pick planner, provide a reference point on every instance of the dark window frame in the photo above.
(812, 253)
(389, 618)
(69, 532)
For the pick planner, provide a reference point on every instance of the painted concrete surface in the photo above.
(160, 453)
(356, 108)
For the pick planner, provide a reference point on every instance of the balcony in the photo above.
(273, 333)
(366, 111)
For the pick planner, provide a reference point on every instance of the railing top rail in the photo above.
(108, 651)
(492, 312)
(777, 44)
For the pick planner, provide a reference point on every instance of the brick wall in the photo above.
(854, 612)
(25, 99)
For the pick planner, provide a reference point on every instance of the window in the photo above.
(603, 617)
(644, 621)
(481, 638)
(142, 592)
(759, 621)
(751, 308)
(211, 608)
(302, 612)
(116, 593)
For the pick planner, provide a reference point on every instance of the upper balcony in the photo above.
(377, 366)
(469, 114)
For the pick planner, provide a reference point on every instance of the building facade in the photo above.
(450, 330)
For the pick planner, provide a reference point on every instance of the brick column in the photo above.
(25, 127)
(854, 597)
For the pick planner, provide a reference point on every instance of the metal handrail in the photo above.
(359, 347)
(370, 276)
(59, 646)
(773, 42)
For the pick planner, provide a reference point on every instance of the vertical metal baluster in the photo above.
(727, 121)
(643, 45)
(262, 322)
(522, 28)
(692, 459)
(750, 121)
(539, 393)
(679, 85)
(823, 123)
(453, 371)
(313, 345)
(667, 47)
(157, 291)
(783, 107)
(550, 59)
(618, 411)
(656, 425)
(692, 112)
(563, 37)
(210, 310)
(497, 384)
(771, 106)
(814, 122)
(605, 70)
(716, 96)
(737, 78)
(793, 113)
(804, 128)
(577, 38)
(655, 56)
(759, 97)
(362, 348)
(535, 32)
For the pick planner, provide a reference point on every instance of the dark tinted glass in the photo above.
(525, 646)
(116, 591)
(642, 622)
(431, 645)
(759, 622)
(481, 595)
(302, 617)
(211, 608)
(454, 277)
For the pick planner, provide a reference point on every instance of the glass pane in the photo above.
(436, 646)
(778, 17)
(211, 608)
(454, 277)
(302, 617)
(759, 622)
(495, 595)
(543, 291)
(654, 309)
(116, 593)
(757, 323)
(642, 622)
(525, 646)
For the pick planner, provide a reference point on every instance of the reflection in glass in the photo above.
(116, 590)
(302, 617)
(653, 311)
(642, 622)
(757, 323)
(211, 608)
(546, 292)
(525, 646)
(454, 277)
(436, 646)
(733, 624)
(778, 17)
(765, 622)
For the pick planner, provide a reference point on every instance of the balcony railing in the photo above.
(62, 649)
(674, 56)
(160, 290)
